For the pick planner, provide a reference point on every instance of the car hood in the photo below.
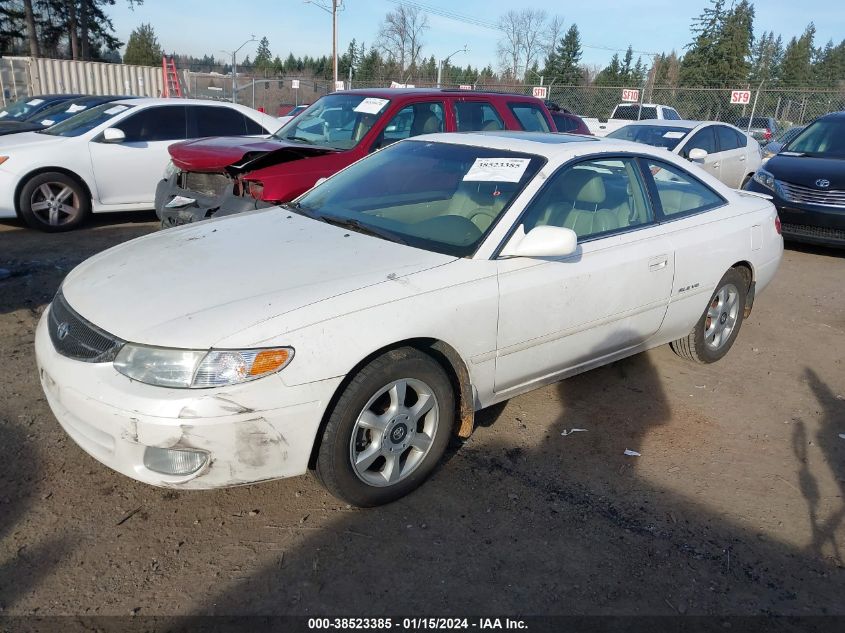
(806, 170)
(25, 140)
(192, 286)
(217, 153)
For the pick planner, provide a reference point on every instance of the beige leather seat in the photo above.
(587, 216)
(675, 201)
(425, 121)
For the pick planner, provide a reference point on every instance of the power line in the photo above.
(468, 19)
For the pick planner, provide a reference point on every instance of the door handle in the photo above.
(741, 158)
(714, 164)
(658, 263)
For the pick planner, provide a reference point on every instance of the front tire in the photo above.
(54, 202)
(388, 430)
(717, 329)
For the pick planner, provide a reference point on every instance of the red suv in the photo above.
(218, 176)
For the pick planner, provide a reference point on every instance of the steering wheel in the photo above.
(481, 212)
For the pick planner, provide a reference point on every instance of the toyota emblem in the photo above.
(823, 183)
(62, 331)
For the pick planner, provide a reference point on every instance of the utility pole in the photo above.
(235, 67)
(446, 61)
(337, 5)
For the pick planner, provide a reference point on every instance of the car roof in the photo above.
(547, 144)
(390, 93)
(146, 101)
(834, 115)
(689, 125)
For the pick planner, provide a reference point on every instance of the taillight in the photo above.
(777, 224)
(256, 189)
(768, 134)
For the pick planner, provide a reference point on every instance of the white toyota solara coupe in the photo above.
(354, 330)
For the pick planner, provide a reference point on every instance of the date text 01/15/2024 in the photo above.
(416, 624)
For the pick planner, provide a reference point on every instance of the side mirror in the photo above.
(697, 154)
(113, 135)
(541, 241)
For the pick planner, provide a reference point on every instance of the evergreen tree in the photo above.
(610, 75)
(566, 58)
(143, 48)
(263, 57)
(796, 69)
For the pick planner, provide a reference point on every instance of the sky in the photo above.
(197, 27)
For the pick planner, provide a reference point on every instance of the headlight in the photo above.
(197, 369)
(169, 171)
(765, 178)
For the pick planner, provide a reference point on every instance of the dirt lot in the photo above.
(735, 505)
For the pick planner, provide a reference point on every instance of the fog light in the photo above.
(172, 461)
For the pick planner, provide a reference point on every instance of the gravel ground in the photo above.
(735, 505)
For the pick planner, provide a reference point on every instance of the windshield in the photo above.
(339, 121)
(825, 137)
(62, 111)
(19, 110)
(87, 120)
(436, 196)
(657, 135)
(635, 113)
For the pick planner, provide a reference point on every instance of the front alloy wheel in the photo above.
(53, 202)
(388, 430)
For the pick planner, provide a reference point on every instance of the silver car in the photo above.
(722, 150)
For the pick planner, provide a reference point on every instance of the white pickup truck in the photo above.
(624, 113)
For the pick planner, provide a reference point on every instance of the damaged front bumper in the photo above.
(176, 206)
(242, 434)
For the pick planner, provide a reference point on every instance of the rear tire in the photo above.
(388, 430)
(54, 202)
(717, 329)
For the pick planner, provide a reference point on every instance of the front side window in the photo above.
(727, 139)
(657, 135)
(338, 120)
(593, 198)
(413, 120)
(703, 139)
(157, 123)
(436, 196)
(530, 117)
(679, 192)
(477, 116)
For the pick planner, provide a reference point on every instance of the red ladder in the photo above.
(172, 87)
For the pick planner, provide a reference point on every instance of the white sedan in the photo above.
(108, 158)
(722, 150)
(354, 330)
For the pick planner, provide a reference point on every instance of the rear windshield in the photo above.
(634, 112)
(657, 135)
(757, 121)
(20, 110)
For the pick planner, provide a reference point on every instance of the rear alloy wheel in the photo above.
(388, 430)
(53, 202)
(718, 327)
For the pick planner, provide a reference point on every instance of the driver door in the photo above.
(128, 172)
(556, 314)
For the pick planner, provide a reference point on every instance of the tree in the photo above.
(567, 57)
(721, 49)
(400, 35)
(524, 39)
(263, 57)
(143, 48)
(796, 68)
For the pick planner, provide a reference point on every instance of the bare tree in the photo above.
(510, 44)
(31, 33)
(400, 35)
(554, 31)
(525, 38)
(533, 25)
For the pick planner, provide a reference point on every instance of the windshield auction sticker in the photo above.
(371, 105)
(116, 109)
(674, 135)
(497, 169)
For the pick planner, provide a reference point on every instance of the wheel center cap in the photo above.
(398, 433)
(723, 318)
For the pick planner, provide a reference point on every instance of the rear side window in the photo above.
(741, 139)
(156, 123)
(475, 116)
(530, 117)
(254, 128)
(727, 139)
(679, 192)
(634, 112)
(704, 139)
(215, 121)
(563, 123)
(671, 115)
